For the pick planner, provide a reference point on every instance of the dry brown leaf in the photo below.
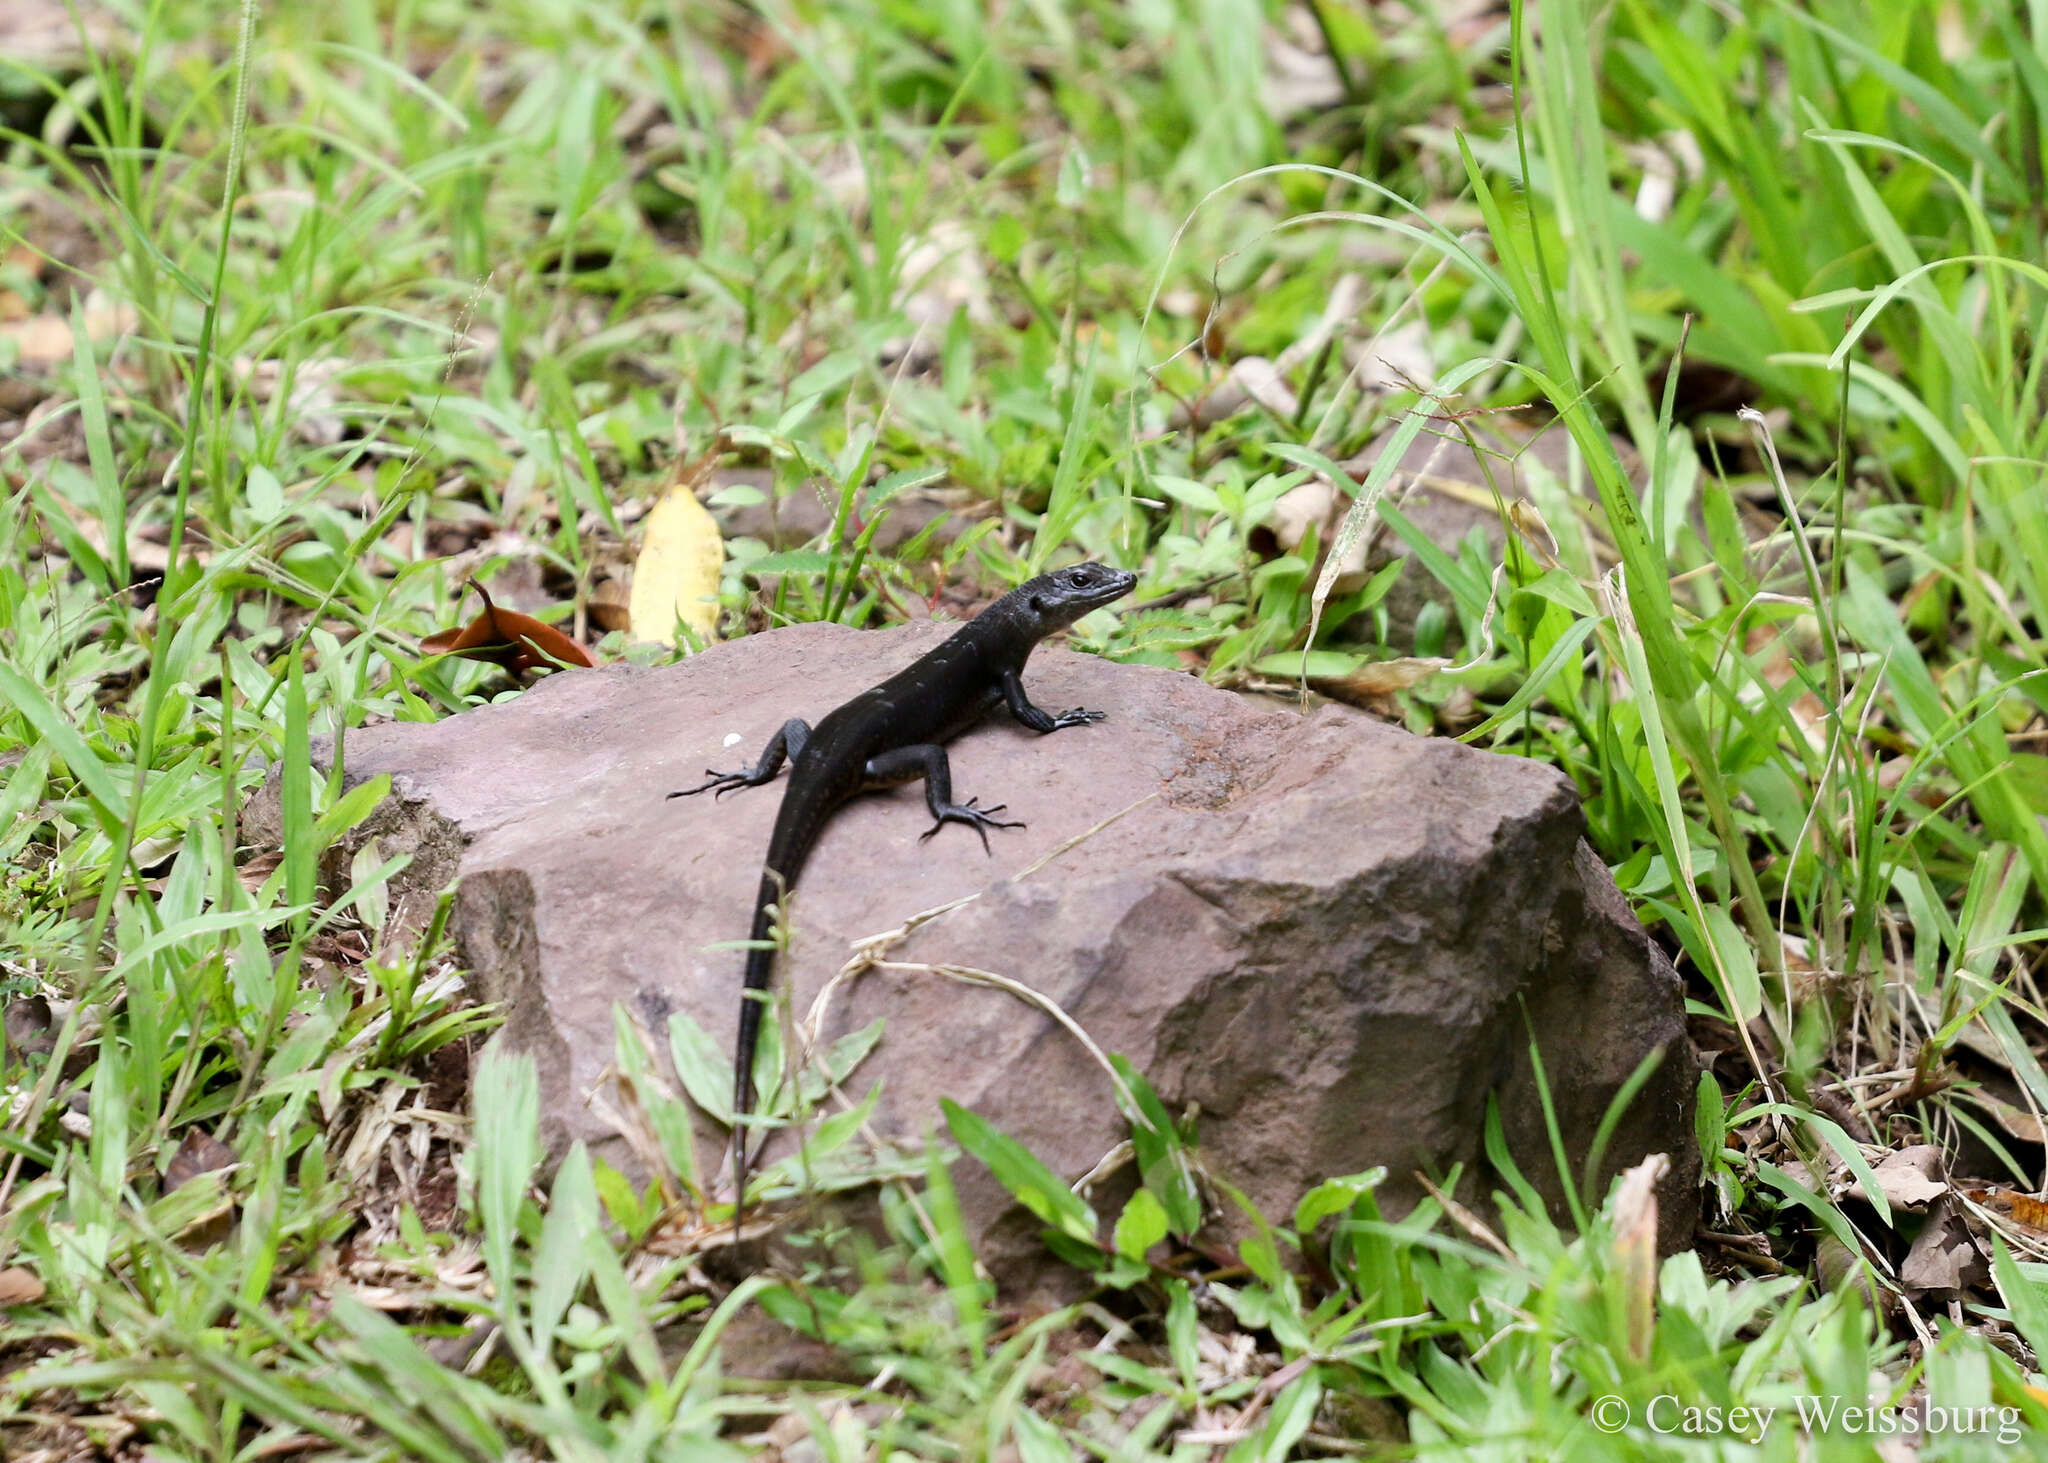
(19, 1287)
(1401, 359)
(1773, 647)
(2016, 1121)
(252, 871)
(54, 39)
(1318, 505)
(787, 1434)
(1371, 687)
(519, 643)
(1796, 1170)
(1910, 1178)
(1840, 1266)
(1664, 161)
(41, 340)
(676, 575)
(314, 407)
(29, 1025)
(1835, 1261)
(1384, 677)
(198, 1153)
(1223, 1359)
(1298, 81)
(940, 273)
(1945, 1256)
(1635, 1247)
(1253, 378)
(610, 605)
(45, 339)
(1529, 522)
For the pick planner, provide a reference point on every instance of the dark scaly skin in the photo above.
(892, 734)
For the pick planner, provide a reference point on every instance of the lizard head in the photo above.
(1063, 596)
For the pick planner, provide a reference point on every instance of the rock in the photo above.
(1322, 930)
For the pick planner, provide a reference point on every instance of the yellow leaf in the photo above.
(676, 576)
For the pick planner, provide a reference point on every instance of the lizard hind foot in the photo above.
(978, 818)
(720, 784)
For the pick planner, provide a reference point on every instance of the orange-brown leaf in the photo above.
(2022, 1208)
(507, 638)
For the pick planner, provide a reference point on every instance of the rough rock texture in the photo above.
(1323, 930)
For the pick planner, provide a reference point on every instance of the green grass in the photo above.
(406, 293)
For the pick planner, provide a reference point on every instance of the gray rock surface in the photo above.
(1322, 930)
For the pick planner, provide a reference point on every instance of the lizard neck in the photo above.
(1007, 631)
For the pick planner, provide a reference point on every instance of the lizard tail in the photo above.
(760, 969)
